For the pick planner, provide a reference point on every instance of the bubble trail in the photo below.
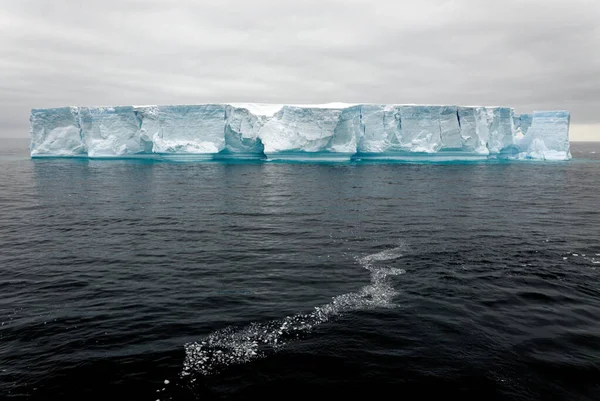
(230, 346)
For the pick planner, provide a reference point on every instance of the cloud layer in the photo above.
(529, 54)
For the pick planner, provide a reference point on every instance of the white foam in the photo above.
(240, 345)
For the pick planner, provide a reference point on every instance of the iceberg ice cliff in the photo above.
(56, 132)
(331, 131)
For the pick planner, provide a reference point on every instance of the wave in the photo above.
(232, 345)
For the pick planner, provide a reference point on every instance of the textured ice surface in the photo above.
(241, 131)
(525, 120)
(421, 129)
(378, 128)
(190, 129)
(474, 129)
(56, 132)
(112, 131)
(450, 133)
(286, 131)
(548, 141)
(299, 129)
(501, 129)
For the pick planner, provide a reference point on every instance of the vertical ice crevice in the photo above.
(241, 131)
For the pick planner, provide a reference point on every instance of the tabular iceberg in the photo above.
(330, 132)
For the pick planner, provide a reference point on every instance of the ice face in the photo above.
(474, 129)
(517, 121)
(427, 129)
(450, 132)
(522, 139)
(420, 128)
(549, 134)
(345, 132)
(299, 129)
(525, 122)
(501, 129)
(112, 131)
(416, 129)
(149, 123)
(241, 131)
(378, 129)
(190, 129)
(56, 132)
(333, 129)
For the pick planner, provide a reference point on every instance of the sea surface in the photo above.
(141, 280)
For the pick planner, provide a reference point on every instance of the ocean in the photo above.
(143, 280)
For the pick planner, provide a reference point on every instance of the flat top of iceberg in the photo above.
(269, 109)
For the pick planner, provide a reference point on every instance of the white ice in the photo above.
(335, 128)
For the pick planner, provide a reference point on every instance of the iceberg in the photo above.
(335, 131)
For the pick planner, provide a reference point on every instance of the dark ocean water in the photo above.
(183, 281)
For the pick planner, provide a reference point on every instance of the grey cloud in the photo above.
(528, 54)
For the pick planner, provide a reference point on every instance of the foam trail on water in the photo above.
(239, 345)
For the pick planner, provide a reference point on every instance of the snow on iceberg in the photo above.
(337, 130)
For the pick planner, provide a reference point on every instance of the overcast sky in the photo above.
(527, 54)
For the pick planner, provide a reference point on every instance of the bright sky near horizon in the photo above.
(526, 54)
